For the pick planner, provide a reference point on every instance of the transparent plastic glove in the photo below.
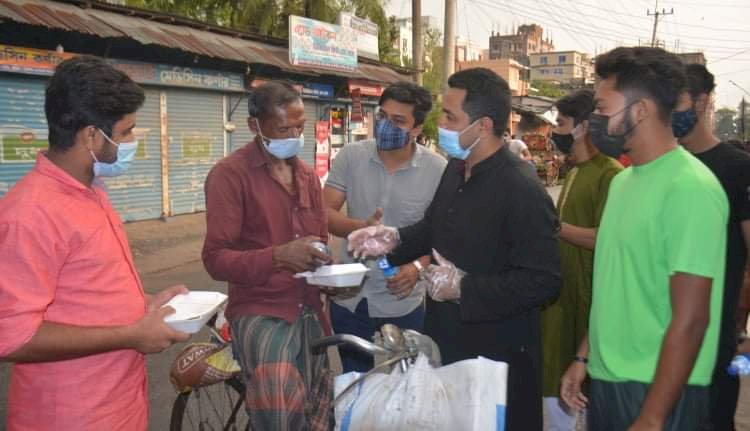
(444, 279)
(373, 241)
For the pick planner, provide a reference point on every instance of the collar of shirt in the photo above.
(259, 159)
(493, 161)
(413, 163)
(45, 167)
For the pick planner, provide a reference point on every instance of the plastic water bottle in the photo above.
(388, 270)
(740, 365)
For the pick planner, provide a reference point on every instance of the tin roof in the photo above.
(153, 28)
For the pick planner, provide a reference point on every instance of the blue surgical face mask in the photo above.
(125, 156)
(282, 149)
(389, 136)
(450, 142)
(683, 122)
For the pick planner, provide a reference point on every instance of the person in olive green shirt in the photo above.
(659, 263)
(579, 207)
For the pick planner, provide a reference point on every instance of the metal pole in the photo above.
(656, 16)
(742, 121)
(449, 56)
(417, 39)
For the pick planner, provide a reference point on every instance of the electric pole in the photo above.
(743, 104)
(417, 37)
(449, 43)
(742, 121)
(656, 16)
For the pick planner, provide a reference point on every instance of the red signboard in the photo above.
(357, 114)
(365, 88)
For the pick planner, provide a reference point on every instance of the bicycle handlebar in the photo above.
(353, 340)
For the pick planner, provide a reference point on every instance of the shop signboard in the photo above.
(321, 45)
(357, 113)
(21, 146)
(40, 62)
(366, 33)
(365, 88)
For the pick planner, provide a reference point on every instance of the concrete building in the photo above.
(405, 35)
(515, 73)
(568, 68)
(528, 39)
(468, 50)
(693, 58)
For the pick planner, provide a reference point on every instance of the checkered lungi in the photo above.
(289, 388)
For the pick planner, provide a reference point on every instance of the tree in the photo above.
(271, 17)
(725, 126)
(547, 89)
(432, 77)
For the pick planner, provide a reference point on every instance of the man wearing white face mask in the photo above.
(74, 318)
(264, 208)
(125, 156)
(492, 230)
(580, 207)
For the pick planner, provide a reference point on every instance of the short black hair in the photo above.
(87, 91)
(275, 94)
(411, 94)
(645, 72)
(699, 80)
(487, 95)
(576, 105)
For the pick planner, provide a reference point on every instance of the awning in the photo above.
(153, 28)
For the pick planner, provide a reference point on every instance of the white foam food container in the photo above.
(193, 309)
(346, 275)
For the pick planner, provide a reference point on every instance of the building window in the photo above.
(543, 60)
(558, 71)
(562, 59)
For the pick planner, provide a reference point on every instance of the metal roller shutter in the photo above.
(195, 143)
(23, 127)
(311, 117)
(136, 195)
(242, 134)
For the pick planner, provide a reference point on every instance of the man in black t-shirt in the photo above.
(692, 125)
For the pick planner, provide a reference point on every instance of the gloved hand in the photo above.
(373, 241)
(444, 279)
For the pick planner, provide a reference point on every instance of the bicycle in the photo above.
(219, 406)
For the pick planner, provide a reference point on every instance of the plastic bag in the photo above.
(467, 395)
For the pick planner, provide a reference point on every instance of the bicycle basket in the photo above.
(202, 364)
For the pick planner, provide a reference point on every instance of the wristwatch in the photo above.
(420, 269)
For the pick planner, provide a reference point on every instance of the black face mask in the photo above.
(610, 145)
(564, 143)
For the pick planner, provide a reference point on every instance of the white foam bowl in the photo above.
(347, 275)
(192, 310)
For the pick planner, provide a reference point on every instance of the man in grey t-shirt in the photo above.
(391, 180)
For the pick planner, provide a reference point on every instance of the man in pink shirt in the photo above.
(74, 318)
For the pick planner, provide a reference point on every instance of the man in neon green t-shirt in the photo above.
(659, 263)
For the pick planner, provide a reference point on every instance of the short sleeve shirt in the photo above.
(404, 196)
(661, 218)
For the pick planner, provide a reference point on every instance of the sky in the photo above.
(719, 28)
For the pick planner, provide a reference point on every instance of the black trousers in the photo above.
(725, 389)
(615, 406)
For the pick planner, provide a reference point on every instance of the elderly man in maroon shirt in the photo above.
(264, 208)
